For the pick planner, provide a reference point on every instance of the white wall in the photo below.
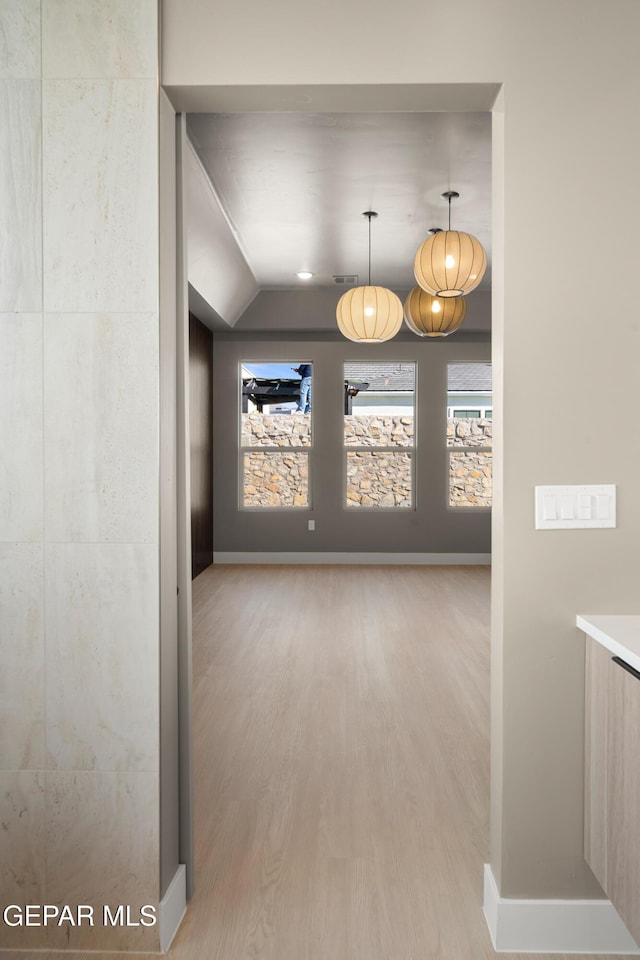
(79, 762)
(564, 240)
(217, 268)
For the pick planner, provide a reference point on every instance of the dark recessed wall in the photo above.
(201, 430)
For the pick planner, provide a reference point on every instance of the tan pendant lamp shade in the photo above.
(369, 314)
(430, 316)
(450, 263)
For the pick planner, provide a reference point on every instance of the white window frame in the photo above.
(308, 450)
(384, 449)
(483, 409)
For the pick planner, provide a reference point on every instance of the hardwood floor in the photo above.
(341, 766)
(341, 720)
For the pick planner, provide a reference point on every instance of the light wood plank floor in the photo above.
(341, 719)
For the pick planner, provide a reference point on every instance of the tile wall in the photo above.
(79, 471)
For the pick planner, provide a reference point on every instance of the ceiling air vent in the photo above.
(345, 278)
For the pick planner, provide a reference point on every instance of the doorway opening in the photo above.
(481, 97)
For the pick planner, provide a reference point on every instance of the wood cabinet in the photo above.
(612, 781)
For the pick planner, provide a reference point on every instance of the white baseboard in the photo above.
(553, 926)
(355, 558)
(172, 908)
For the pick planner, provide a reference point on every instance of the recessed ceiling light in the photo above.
(304, 275)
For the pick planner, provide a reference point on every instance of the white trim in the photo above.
(363, 558)
(553, 926)
(172, 908)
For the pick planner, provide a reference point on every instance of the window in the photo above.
(485, 412)
(469, 434)
(276, 434)
(379, 434)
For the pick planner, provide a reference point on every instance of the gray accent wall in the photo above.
(290, 311)
(432, 527)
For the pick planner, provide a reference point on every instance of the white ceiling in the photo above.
(294, 186)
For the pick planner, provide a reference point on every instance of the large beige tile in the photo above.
(22, 847)
(21, 427)
(20, 39)
(102, 849)
(100, 170)
(20, 196)
(99, 38)
(21, 656)
(101, 634)
(101, 427)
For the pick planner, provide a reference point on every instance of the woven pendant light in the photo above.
(433, 316)
(450, 263)
(369, 314)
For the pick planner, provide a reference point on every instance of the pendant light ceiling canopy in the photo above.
(429, 316)
(450, 263)
(369, 314)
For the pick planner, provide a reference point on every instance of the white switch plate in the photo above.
(575, 507)
(312, 525)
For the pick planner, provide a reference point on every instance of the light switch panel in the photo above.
(573, 507)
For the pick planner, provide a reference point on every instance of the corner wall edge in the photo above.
(172, 908)
(553, 926)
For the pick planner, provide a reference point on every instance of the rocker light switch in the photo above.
(585, 507)
(569, 508)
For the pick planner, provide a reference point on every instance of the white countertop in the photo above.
(619, 633)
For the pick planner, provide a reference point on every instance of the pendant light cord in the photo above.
(450, 195)
(370, 215)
